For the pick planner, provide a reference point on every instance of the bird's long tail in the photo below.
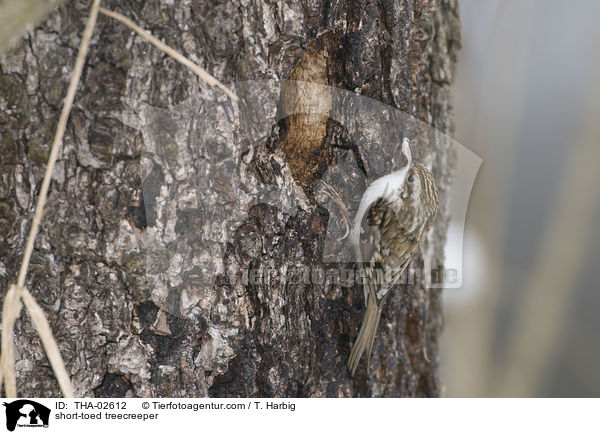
(366, 335)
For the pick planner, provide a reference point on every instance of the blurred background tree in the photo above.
(527, 100)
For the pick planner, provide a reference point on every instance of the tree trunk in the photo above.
(146, 295)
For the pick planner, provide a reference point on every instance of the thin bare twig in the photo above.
(209, 79)
(10, 313)
(43, 328)
(60, 131)
(12, 302)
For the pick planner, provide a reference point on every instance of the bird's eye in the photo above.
(411, 179)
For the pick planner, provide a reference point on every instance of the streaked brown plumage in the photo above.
(401, 212)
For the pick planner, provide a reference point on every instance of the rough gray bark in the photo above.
(125, 323)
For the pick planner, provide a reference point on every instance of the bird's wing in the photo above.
(385, 246)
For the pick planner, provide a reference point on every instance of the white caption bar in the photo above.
(153, 415)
